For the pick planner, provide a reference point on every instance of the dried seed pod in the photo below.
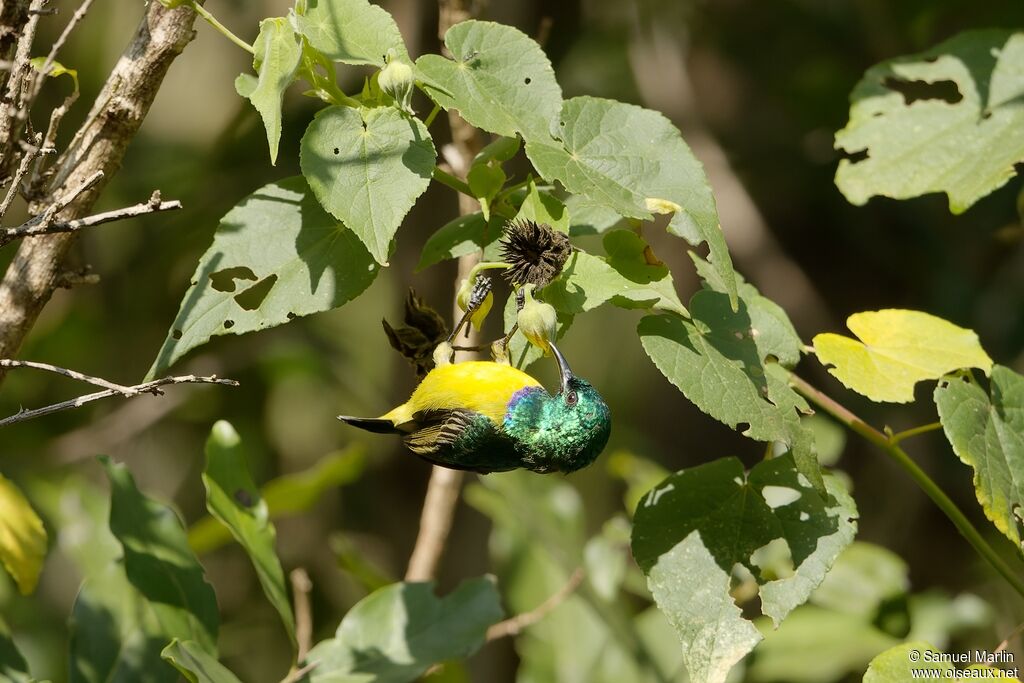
(535, 251)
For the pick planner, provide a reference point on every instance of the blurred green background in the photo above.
(757, 88)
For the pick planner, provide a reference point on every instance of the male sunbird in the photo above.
(484, 416)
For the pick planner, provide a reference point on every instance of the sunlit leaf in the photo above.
(543, 207)
(949, 119)
(351, 31)
(499, 79)
(897, 665)
(367, 167)
(195, 664)
(622, 156)
(278, 53)
(398, 632)
(22, 537)
(898, 349)
(693, 528)
(56, 69)
(467, 234)
(987, 433)
(276, 255)
(232, 497)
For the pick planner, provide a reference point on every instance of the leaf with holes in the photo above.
(950, 119)
(351, 31)
(399, 631)
(196, 664)
(275, 256)
(367, 167)
(633, 161)
(22, 537)
(499, 79)
(896, 350)
(278, 52)
(232, 498)
(693, 528)
(721, 366)
(987, 433)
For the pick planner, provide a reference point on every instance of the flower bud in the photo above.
(396, 80)
(537, 320)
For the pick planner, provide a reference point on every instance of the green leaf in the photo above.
(634, 162)
(467, 234)
(864, 577)
(13, 668)
(590, 217)
(773, 333)
(625, 278)
(987, 433)
(367, 167)
(56, 69)
(232, 497)
(159, 563)
(396, 633)
(196, 664)
(22, 537)
(485, 181)
(898, 349)
(542, 207)
(351, 31)
(129, 610)
(692, 529)
(500, 80)
(276, 255)
(287, 495)
(720, 365)
(950, 119)
(278, 53)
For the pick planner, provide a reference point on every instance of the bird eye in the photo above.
(571, 398)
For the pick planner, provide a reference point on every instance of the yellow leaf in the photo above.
(657, 205)
(898, 349)
(22, 537)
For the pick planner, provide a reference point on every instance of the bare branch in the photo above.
(73, 374)
(515, 625)
(301, 586)
(27, 157)
(99, 145)
(33, 228)
(59, 43)
(145, 388)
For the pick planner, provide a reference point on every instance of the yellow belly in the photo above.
(482, 386)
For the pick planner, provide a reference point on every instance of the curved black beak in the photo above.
(564, 373)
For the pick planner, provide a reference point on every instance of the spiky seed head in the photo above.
(535, 251)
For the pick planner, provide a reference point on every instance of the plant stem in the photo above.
(224, 31)
(432, 115)
(446, 178)
(934, 491)
(907, 433)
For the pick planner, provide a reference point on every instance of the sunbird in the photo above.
(484, 416)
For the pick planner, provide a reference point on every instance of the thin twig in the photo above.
(513, 626)
(73, 374)
(435, 523)
(934, 491)
(74, 193)
(298, 674)
(145, 388)
(1006, 641)
(907, 433)
(28, 156)
(34, 228)
(59, 43)
(301, 586)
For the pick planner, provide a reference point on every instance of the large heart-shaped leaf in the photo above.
(950, 119)
(274, 257)
(351, 31)
(367, 167)
(499, 79)
(635, 162)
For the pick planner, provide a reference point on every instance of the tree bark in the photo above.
(99, 145)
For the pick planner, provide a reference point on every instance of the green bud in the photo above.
(463, 297)
(537, 320)
(396, 80)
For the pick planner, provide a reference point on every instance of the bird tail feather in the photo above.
(371, 424)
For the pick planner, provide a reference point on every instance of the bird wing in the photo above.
(434, 437)
(481, 387)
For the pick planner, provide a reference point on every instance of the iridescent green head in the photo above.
(564, 432)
